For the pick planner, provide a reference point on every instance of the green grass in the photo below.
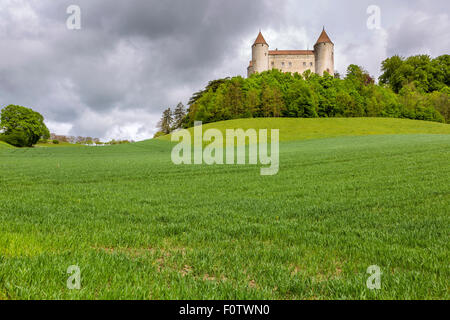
(140, 227)
(295, 129)
(50, 144)
(4, 145)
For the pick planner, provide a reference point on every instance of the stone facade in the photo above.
(319, 60)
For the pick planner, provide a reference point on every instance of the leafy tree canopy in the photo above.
(426, 74)
(22, 127)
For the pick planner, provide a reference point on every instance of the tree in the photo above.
(16, 138)
(300, 101)
(89, 140)
(426, 74)
(390, 76)
(234, 99)
(22, 127)
(179, 115)
(272, 102)
(253, 101)
(440, 100)
(359, 76)
(80, 140)
(165, 124)
(212, 85)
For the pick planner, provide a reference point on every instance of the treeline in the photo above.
(413, 88)
(83, 140)
(171, 120)
(73, 139)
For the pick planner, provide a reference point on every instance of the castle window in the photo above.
(311, 64)
(290, 64)
(282, 64)
(304, 64)
(273, 63)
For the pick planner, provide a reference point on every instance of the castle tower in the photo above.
(324, 54)
(260, 54)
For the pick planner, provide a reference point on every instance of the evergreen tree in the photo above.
(179, 116)
(165, 124)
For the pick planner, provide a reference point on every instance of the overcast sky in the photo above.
(131, 58)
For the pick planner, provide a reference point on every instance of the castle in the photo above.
(319, 60)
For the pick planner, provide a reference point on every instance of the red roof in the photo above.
(260, 39)
(291, 52)
(324, 37)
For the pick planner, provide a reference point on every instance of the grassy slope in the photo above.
(50, 144)
(140, 227)
(294, 129)
(4, 145)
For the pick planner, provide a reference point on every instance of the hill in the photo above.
(50, 144)
(140, 227)
(292, 129)
(277, 94)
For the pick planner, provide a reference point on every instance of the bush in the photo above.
(159, 134)
(15, 138)
(55, 142)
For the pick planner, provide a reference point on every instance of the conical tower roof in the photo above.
(260, 39)
(324, 37)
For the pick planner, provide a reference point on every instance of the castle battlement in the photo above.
(319, 60)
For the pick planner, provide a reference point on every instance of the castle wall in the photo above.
(292, 63)
(318, 61)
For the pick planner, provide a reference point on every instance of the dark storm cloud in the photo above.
(133, 58)
(128, 55)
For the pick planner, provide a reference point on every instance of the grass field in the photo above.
(50, 144)
(296, 129)
(140, 227)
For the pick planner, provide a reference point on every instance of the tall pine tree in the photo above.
(179, 115)
(165, 124)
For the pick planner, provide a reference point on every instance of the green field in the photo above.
(296, 129)
(349, 194)
(50, 144)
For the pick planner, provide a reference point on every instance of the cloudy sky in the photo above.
(131, 58)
